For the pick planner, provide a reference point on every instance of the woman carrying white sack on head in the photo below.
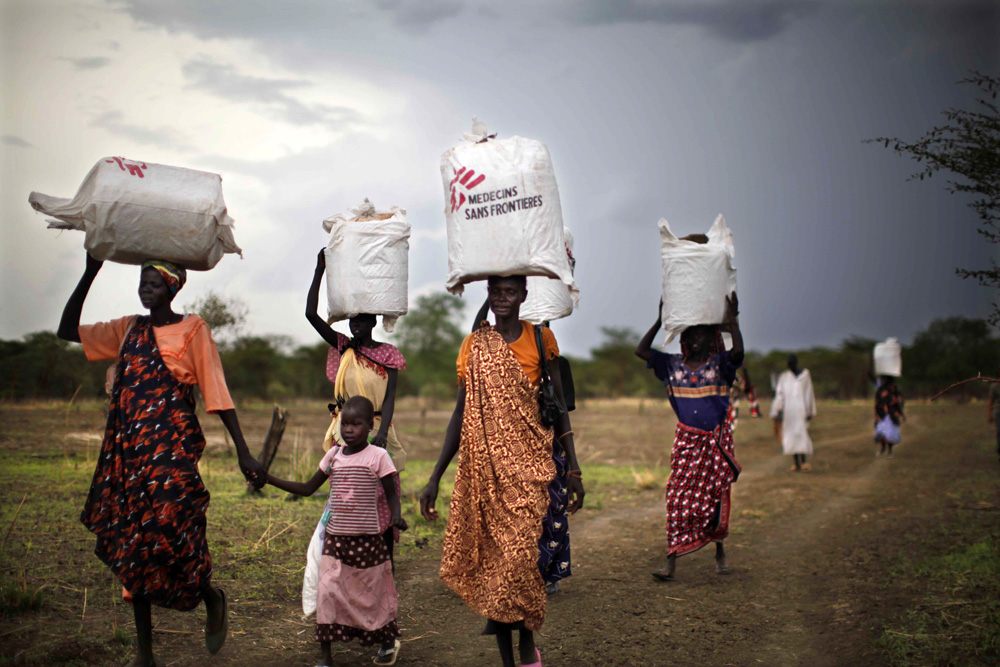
(793, 408)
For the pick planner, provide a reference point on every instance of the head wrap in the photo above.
(175, 276)
(715, 343)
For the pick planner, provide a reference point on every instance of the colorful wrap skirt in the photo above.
(147, 502)
(702, 468)
(357, 596)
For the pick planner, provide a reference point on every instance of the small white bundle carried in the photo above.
(550, 299)
(889, 358)
(697, 278)
(132, 211)
(502, 211)
(367, 263)
(310, 578)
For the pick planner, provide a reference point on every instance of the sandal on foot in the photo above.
(536, 663)
(215, 640)
(385, 657)
(552, 589)
(660, 575)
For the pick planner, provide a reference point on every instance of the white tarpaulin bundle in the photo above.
(133, 211)
(502, 210)
(889, 358)
(550, 299)
(367, 263)
(697, 278)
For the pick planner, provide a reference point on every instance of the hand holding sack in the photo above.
(888, 358)
(550, 299)
(367, 265)
(502, 210)
(697, 278)
(132, 211)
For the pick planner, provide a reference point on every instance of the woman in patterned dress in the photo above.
(554, 554)
(490, 554)
(147, 503)
(702, 462)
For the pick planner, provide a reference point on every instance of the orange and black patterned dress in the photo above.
(147, 502)
(490, 554)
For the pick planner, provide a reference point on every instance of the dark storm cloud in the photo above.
(11, 140)
(270, 94)
(733, 20)
(154, 136)
(96, 62)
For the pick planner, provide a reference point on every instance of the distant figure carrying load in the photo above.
(793, 408)
(888, 415)
(702, 462)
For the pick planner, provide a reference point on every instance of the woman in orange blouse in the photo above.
(147, 503)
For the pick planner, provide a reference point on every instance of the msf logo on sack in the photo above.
(464, 180)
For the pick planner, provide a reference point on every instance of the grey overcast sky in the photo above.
(680, 109)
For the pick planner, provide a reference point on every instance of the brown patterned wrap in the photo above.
(501, 490)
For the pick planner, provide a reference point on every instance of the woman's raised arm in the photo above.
(312, 303)
(69, 325)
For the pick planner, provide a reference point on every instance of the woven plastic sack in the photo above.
(132, 211)
(367, 263)
(889, 358)
(502, 211)
(550, 299)
(697, 278)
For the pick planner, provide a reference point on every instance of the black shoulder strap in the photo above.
(541, 355)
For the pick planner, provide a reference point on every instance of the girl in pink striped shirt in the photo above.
(357, 595)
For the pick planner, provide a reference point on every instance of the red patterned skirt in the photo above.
(702, 468)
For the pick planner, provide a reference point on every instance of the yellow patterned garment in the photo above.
(490, 555)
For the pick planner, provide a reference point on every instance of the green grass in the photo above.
(955, 616)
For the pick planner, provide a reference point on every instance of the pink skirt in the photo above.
(357, 595)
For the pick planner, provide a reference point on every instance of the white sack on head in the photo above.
(697, 278)
(132, 211)
(550, 299)
(502, 211)
(367, 263)
(889, 358)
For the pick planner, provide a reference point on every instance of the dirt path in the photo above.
(811, 555)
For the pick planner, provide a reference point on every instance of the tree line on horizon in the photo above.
(41, 366)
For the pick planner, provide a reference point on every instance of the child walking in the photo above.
(357, 595)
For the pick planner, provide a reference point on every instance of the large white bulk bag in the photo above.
(132, 211)
(502, 210)
(550, 299)
(889, 358)
(367, 263)
(697, 278)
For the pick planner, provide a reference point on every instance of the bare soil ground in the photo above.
(830, 567)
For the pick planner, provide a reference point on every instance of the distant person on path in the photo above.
(554, 555)
(888, 415)
(147, 504)
(703, 463)
(361, 366)
(993, 410)
(490, 555)
(357, 596)
(742, 386)
(793, 408)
